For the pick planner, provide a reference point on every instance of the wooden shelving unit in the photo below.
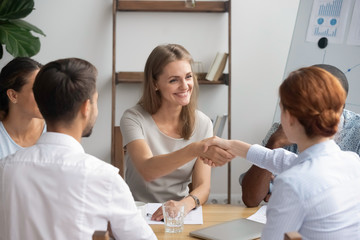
(172, 6)
(137, 77)
(221, 7)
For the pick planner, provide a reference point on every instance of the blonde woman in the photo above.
(162, 134)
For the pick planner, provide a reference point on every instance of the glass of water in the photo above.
(173, 216)
(141, 207)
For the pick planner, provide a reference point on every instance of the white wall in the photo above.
(261, 36)
(262, 32)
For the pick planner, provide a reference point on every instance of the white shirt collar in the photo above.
(61, 139)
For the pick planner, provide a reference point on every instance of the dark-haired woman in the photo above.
(21, 123)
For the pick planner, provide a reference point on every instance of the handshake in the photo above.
(216, 151)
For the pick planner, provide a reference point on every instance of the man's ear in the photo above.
(85, 108)
(12, 95)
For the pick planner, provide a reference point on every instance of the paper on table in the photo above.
(259, 216)
(193, 217)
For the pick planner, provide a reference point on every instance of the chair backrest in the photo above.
(118, 160)
(292, 236)
(101, 235)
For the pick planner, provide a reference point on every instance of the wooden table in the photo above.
(212, 214)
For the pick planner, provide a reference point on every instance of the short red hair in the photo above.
(316, 98)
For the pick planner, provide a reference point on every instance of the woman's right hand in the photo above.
(232, 147)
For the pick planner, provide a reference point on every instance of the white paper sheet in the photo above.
(193, 217)
(259, 216)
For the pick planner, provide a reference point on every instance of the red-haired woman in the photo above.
(316, 192)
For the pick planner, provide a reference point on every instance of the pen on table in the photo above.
(150, 215)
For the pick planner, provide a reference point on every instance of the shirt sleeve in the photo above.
(353, 134)
(275, 161)
(285, 212)
(126, 221)
(131, 126)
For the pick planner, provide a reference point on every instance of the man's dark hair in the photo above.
(62, 86)
(337, 73)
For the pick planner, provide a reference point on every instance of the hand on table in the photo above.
(158, 214)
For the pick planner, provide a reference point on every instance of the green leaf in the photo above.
(19, 42)
(15, 33)
(27, 26)
(14, 9)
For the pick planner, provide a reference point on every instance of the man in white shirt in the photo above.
(54, 190)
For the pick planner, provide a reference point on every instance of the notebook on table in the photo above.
(239, 229)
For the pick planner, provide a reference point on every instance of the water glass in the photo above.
(173, 217)
(141, 207)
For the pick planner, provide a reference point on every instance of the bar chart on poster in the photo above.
(328, 32)
(328, 19)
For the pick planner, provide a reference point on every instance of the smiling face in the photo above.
(176, 83)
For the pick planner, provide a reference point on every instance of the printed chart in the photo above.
(328, 19)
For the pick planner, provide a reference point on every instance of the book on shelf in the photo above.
(219, 124)
(217, 67)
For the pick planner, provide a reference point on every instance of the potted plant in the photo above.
(15, 33)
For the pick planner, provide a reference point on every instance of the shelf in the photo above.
(137, 77)
(123, 6)
(172, 6)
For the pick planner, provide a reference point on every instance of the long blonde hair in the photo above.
(151, 99)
